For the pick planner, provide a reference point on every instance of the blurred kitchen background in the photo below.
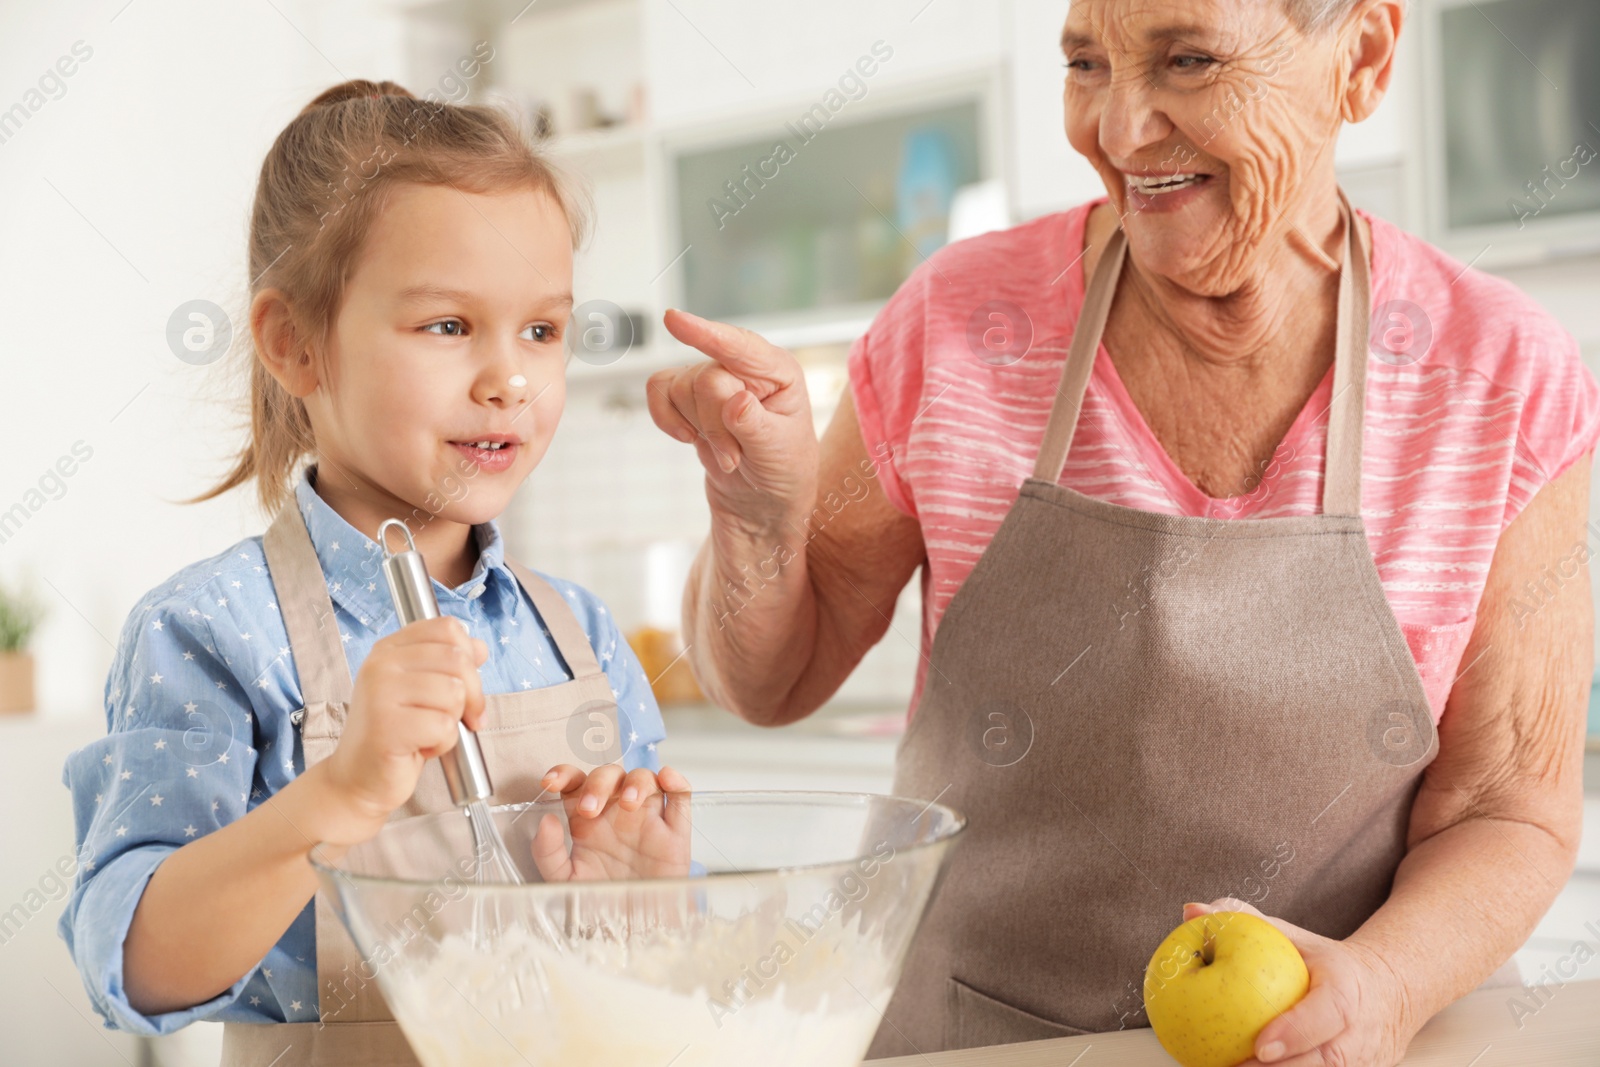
(130, 136)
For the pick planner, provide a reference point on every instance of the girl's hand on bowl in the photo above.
(623, 825)
(411, 690)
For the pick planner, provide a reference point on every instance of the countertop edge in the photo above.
(1482, 1028)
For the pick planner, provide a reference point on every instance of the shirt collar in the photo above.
(352, 561)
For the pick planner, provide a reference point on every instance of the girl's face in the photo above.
(451, 332)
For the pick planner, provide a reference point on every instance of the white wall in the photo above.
(119, 200)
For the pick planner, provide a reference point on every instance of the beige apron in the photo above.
(1136, 710)
(524, 734)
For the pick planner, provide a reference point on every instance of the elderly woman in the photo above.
(1252, 543)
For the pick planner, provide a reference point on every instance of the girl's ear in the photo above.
(1371, 36)
(278, 344)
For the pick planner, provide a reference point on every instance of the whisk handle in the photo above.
(465, 772)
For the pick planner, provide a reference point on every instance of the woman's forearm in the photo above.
(780, 610)
(751, 614)
(214, 908)
(1463, 901)
(1498, 817)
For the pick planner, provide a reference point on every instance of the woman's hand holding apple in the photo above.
(1355, 1011)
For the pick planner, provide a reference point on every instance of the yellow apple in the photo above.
(1216, 981)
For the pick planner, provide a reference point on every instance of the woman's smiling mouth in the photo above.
(1163, 183)
(1164, 191)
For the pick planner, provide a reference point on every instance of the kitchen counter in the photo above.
(848, 748)
(1478, 1030)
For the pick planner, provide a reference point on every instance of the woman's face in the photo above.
(451, 331)
(1223, 100)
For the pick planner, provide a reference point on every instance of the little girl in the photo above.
(411, 267)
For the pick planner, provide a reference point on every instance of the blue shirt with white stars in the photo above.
(198, 701)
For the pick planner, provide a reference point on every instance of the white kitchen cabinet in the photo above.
(548, 54)
(709, 60)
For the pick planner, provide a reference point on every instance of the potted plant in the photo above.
(19, 616)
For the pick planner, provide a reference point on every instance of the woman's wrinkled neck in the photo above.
(1283, 301)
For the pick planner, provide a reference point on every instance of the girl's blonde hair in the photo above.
(322, 186)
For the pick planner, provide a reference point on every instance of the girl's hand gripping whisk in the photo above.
(465, 772)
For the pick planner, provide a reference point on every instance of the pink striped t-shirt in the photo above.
(1476, 398)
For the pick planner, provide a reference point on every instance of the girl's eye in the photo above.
(447, 328)
(548, 334)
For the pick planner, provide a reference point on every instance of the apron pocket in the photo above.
(977, 1019)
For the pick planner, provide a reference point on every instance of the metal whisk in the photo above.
(465, 772)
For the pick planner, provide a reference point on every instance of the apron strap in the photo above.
(306, 608)
(1341, 490)
(1080, 360)
(1341, 472)
(565, 632)
(308, 616)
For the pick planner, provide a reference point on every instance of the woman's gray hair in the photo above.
(1312, 15)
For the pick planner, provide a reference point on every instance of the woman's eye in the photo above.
(1192, 62)
(1079, 64)
(548, 332)
(447, 328)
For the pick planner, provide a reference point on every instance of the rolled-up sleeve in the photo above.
(176, 763)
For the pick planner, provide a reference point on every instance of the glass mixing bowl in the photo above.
(781, 949)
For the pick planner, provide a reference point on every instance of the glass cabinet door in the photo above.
(1521, 96)
(816, 216)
